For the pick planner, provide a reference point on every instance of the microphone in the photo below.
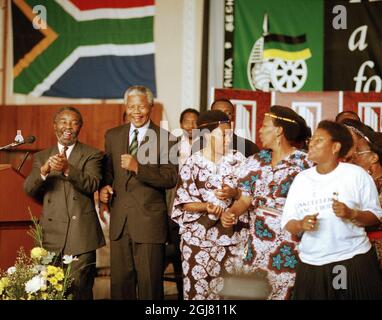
(29, 139)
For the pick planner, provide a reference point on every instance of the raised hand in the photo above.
(309, 222)
(45, 168)
(341, 210)
(59, 162)
(128, 162)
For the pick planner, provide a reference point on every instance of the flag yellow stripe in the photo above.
(287, 55)
(49, 34)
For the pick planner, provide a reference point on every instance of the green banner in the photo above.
(278, 45)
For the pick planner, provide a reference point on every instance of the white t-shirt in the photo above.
(334, 239)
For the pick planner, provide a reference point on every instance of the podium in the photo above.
(15, 220)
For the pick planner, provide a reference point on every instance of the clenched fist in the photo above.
(128, 162)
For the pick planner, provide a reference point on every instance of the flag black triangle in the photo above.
(25, 37)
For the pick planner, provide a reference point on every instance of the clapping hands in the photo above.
(57, 162)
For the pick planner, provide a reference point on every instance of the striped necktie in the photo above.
(134, 143)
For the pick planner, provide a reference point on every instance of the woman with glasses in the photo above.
(264, 183)
(355, 127)
(208, 249)
(330, 205)
(368, 155)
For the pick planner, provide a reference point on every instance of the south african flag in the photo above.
(89, 49)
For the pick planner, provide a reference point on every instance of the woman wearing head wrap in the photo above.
(330, 204)
(264, 183)
(356, 128)
(368, 155)
(207, 248)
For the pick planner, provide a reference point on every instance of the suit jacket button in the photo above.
(74, 218)
(75, 198)
(48, 200)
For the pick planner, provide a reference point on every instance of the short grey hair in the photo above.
(139, 90)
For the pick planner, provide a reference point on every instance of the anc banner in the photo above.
(353, 54)
(303, 45)
(87, 49)
(278, 45)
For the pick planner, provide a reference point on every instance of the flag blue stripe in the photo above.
(105, 76)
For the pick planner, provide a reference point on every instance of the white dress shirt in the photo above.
(68, 152)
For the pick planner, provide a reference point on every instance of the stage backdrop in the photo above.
(82, 48)
(250, 107)
(303, 45)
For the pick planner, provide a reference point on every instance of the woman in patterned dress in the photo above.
(207, 177)
(264, 183)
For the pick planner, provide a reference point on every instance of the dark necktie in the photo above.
(134, 143)
(64, 151)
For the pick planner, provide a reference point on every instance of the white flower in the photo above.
(35, 284)
(48, 258)
(39, 269)
(69, 259)
(11, 270)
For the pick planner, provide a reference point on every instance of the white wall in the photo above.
(178, 39)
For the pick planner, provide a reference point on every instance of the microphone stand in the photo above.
(22, 162)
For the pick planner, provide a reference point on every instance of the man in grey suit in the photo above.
(64, 178)
(137, 174)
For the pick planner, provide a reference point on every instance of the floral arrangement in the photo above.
(38, 276)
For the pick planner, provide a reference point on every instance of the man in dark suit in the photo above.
(65, 177)
(245, 146)
(136, 176)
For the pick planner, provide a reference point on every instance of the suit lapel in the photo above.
(76, 154)
(125, 139)
(54, 150)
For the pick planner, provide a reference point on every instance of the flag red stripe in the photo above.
(109, 4)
